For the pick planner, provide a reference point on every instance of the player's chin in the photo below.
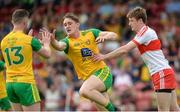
(69, 33)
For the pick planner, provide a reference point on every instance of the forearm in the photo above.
(111, 36)
(47, 50)
(120, 51)
(58, 45)
(116, 53)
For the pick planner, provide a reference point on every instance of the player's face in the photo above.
(133, 23)
(71, 27)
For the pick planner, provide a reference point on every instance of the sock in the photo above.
(110, 107)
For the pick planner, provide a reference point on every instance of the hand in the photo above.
(101, 38)
(46, 36)
(98, 57)
(40, 33)
(43, 32)
(44, 29)
(53, 37)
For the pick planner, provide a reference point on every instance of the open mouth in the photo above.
(68, 30)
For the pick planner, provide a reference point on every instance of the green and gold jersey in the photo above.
(2, 86)
(17, 49)
(80, 50)
(2, 81)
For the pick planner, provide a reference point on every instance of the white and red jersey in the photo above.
(150, 48)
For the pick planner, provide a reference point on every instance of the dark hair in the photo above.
(138, 13)
(71, 16)
(19, 14)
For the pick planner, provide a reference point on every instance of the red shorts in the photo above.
(164, 79)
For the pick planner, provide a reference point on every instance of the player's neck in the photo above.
(76, 34)
(18, 28)
(140, 27)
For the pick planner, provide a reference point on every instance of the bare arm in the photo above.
(116, 53)
(106, 35)
(60, 46)
(45, 50)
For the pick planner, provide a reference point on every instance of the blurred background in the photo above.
(132, 89)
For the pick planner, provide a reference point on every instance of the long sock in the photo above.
(110, 107)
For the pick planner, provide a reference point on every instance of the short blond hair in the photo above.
(71, 16)
(19, 14)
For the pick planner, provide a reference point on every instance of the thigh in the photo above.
(17, 107)
(27, 93)
(174, 105)
(93, 82)
(5, 104)
(33, 107)
(105, 76)
(163, 100)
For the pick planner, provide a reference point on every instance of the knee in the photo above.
(84, 92)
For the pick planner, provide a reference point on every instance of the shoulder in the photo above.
(90, 30)
(24, 37)
(94, 31)
(6, 36)
(27, 36)
(151, 33)
(147, 32)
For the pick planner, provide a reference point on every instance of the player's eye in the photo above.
(65, 25)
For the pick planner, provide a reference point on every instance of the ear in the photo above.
(78, 24)
(140, 20)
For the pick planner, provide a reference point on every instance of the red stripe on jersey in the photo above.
(152, 46)
(142, 31)
(137, 44)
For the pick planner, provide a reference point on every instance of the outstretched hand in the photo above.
(98, 57)
(53, 37)
(101, 38)
(46, 36)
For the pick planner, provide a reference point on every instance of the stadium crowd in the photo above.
(56, 78)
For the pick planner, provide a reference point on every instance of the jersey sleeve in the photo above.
(95, 32)
(66, 40)
(1, 65)
(36, 45)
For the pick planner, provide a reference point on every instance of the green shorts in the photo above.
(24, 93)
(5, 104)
(105, 75)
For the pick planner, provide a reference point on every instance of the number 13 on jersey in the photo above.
(14, 52)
